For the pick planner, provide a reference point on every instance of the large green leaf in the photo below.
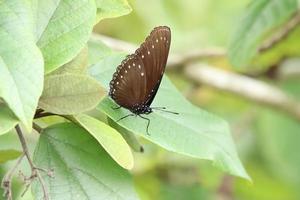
(69, 94)
(82, 169)
(109, 138)
(97, 51)
(21, 63)
(112, 8)
(76, 66)
(193, 132)
(63, 28)
(259, 19)
(7, 119)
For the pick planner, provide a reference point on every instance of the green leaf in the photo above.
(6, 155)
(112, 8)
(258, 21)
(21, 62)
(63, 28)
(76, 66)
(69, 94)
(7, 119)
(9, 147)
(82, 169)
(97, 51)
(193, 132)
(109, 138)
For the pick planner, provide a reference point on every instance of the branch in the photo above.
(289, 69)
(174, 60)
(115, 44)
(246, 87)
(282, 33)
(37, 127)
(7, 179)
(34, 170)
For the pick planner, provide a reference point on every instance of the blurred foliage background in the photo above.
(267, 139)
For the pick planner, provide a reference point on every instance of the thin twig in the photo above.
(115, 44)
(7, 180)
(174, 60)
(37, 127)
(255, 90)
(34, 170)
(43, 114)
(282, 33)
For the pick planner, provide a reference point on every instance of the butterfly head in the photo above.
(141, 109)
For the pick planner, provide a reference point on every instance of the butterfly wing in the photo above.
(154, 53)
(137, 79)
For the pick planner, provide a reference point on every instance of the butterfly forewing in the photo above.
(137, 79)
(154, 53)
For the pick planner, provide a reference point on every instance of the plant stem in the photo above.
(7, 180)
(34, 170)
(42, 114)
(37, 127)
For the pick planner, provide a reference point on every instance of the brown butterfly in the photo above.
(137, 79)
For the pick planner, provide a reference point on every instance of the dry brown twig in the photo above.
(174, 60)
(7, 179)
(249, 88)
(35, 171)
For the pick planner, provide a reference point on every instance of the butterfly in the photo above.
(137, 79)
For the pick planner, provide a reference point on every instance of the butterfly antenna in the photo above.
(167, 111)
(159, 108)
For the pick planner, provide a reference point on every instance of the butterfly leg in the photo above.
(148, 124)
(125, 117)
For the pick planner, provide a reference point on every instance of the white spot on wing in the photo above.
(125, 71)
(128, 66)
(152, 46)
(133, 64)
(148, 52)
(143, 56)
(139, 66)
(142, 74)
(156, 40)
